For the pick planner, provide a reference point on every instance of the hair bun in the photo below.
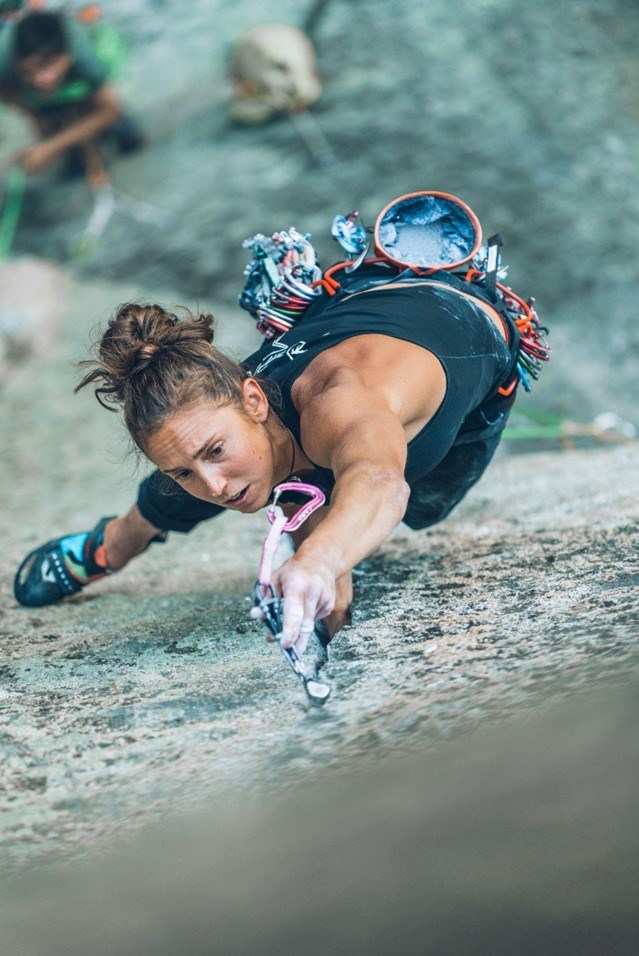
(148, 350)
(152, 362)
(138, 334)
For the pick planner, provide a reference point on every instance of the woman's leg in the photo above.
(126, 537)
(63, 566)
(435, 495)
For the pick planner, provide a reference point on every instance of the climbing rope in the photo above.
(12, 209)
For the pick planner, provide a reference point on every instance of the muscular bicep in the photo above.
(350, 424)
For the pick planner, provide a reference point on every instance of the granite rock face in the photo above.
(153, 692)
(154, 689)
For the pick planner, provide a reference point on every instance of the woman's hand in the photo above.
(308, 590)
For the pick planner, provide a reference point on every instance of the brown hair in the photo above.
(151, 363)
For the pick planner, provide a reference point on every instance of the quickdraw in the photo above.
(279, 284)
(264, 596)
(350, 234)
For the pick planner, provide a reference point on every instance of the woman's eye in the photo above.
(183, 476)
(216, 451)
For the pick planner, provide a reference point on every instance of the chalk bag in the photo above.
(426, 231)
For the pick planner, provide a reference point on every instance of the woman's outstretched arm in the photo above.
(350, 428)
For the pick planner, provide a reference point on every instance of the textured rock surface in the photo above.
(153, 692)
(154, 689)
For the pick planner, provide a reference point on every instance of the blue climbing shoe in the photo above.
(62, 567)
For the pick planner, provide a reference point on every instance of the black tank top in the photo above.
(473, 354)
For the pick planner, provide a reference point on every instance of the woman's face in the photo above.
(223, 454)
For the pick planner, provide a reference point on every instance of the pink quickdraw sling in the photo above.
(280, 524)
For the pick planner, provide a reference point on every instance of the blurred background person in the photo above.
(58, 70)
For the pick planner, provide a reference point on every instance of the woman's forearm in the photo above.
(366, 505)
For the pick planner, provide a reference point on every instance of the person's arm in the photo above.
(352, 430)
(106, 110)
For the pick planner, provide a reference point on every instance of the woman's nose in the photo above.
(215, 482)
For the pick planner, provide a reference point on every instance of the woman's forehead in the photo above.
(189, 427)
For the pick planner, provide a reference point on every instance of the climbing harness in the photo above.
(264, 596)
(533, 348)
(420, 234)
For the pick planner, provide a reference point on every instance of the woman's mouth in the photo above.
(238, 499)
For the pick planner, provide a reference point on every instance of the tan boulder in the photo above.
(273, 70)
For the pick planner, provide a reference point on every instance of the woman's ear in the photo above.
(255, 401)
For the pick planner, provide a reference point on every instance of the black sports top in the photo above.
(473, 354)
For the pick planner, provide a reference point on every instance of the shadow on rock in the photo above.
(519, 840)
